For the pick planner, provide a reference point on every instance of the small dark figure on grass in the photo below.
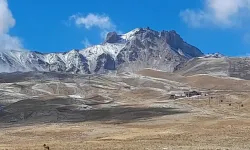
(46, 146)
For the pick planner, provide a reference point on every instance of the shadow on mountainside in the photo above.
(27, 76)
(67, 110)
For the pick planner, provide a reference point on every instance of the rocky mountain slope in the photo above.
(218, 65)
(137, 49)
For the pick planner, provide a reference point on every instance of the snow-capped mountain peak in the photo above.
(107, 48)
(128, 36)
(137, 49)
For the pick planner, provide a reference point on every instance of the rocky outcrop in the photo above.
(159, 50)
(112, 37)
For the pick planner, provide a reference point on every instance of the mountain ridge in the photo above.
(139, 48)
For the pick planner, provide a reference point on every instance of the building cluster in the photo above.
(187, 94)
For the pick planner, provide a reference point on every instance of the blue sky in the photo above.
(62, 25)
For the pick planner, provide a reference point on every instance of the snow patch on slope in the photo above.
(222, 76)
(92, 53)
(128, 36)
(215, 55)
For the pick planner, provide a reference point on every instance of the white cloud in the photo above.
(94, 20)
(6, 19)
(220, 13)
(86, 43)
(6, 23)
(8, 42)
(102, 22)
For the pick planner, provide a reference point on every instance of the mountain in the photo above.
(137, 49)
(218, 65)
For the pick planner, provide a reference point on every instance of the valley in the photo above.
(123, 111)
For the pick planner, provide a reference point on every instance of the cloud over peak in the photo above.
(219, 13)
(101, 22)
(94, 20)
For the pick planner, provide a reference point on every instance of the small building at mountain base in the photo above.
(192, 93)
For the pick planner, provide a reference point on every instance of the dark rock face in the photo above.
(161, 50)
(110, 63)
(176, 42)
(106, 62)
(112, 37)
